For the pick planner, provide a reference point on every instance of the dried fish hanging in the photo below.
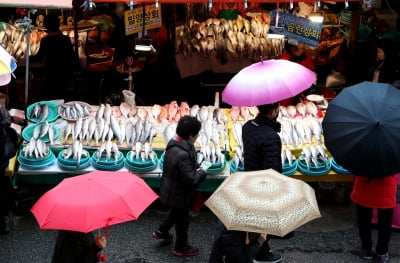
(240, 37)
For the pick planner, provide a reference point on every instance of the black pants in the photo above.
(5, 192)
(180, 218)
(384, 228)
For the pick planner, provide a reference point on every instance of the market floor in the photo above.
(331, 238)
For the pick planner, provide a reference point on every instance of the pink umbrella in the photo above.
(91, 201)
(267, 82)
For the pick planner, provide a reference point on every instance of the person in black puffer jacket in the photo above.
(181, 176)
(262, 150)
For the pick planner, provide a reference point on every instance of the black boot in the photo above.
(5, 225)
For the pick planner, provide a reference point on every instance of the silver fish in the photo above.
(79, 109)
(91, 130)
(116, 129)
(138, 149)
(100, 151)
(146, 149)
(100, 112)
(122, 127)
(35, 112)
(307, 157)
(105, 131)
(77, 128)
(108, 149)
(44, 130)
(115, 150)
(44, 112)
(36, 131)
(51, 135)
(85, 128)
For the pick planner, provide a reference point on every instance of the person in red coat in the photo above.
(367, 194)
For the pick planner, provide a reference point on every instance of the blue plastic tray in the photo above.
(27, 133)
(337, 168)
(53, 111)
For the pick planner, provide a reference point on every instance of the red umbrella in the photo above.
(91, 201)
(267, 82)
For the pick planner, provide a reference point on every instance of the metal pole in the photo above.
(27, 51)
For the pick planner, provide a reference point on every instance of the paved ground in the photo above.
(332, 238)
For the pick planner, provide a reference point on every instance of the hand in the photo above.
(261, 238)
(100, 241)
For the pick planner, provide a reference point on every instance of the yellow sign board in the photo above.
(134, 18)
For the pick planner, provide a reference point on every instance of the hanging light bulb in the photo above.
(210, 4)
(246, 4)
(346, 4)
(131, 4)
(319, 4)
(156, 4)
(291, 5)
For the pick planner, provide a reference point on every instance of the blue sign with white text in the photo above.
(294, 27)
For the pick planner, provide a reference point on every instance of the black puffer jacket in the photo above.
(180, 175)
(75, 247)
(262, 145)
(230, 246)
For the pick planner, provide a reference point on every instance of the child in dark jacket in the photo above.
(232, 246)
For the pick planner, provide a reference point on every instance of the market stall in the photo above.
(59, 142)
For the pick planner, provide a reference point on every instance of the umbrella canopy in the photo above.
(263, 202)
(267, 82)
(361, 129)
(91, 201)
(7, 66)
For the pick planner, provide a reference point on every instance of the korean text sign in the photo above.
(134, 18)
(294, 27)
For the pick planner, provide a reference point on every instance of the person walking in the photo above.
(9, 142)
(232, 246)
(181, 176)
(78, 247)
(367, 194)
(262, 150)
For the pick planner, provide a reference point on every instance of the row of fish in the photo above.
(104, 126)
(108, 149)
(76, 151)
(39, 112)
(74, 111)
(211, 154)
(300, 109)
(143, 152)
(41, 129)
(35, 148)
(312, 154)
(242, 113)
(300, 131)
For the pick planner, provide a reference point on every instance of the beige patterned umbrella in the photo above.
(263, 202)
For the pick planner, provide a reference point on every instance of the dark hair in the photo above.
(52, 22)
(267, 108)
(188, 126)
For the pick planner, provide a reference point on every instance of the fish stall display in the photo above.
(111, 137)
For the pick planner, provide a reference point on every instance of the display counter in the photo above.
(54, 174)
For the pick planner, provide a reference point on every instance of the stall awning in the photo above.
(67, 4)
(214, 1)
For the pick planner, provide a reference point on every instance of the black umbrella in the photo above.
(362, 129)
